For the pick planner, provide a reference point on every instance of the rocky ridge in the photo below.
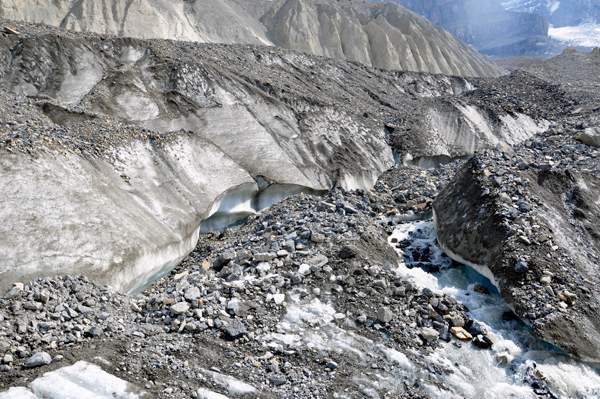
(383, 35)
(529, 222)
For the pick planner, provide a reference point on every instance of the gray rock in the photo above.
(235, 330)
(317, 237)
(457, 321)
(39, 359)
(32, 305)
(8, 358)
(4, 345)
(591, 137)
(180, 308)
(237, 307)
(384, 315)
(319, 260)
(192, 294)
(96, 331)
(15, 292)
(429, 334)
(264, 257)
(277, 380)
(521, 267)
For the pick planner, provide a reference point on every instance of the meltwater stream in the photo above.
(518, 364)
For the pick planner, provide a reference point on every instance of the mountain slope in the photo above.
(382, 35)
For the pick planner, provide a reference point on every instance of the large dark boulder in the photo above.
(534, 231)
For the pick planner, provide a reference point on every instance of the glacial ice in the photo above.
(80, 380)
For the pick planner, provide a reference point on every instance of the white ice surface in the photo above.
(82, 380)
(585, 35)
(234, 386)
(206, 394)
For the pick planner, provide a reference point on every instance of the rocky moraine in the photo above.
(305, 297)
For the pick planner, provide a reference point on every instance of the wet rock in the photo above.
(481, 341)
(481, 289)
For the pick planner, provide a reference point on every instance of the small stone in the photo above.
(264, 257)
(384, 315)
(16, 291)
(32, 305)
(521, 266)
(428, 292)
(525, 240)
(504, 358)
(5, 368)
(236, 330)
(135, 307)
(348, 252)
(461, 334)
(591, 137)
(545, 280)
(179, 276)
(8, 358)
(180, 308)
(483, 342)
(331, 365)
(457, 321)
(505, 198)
(96, 331)
(317, 237)
(192, 294)
(400, 291)
(138, 334)
(277, 381)
(429, 334)
(39, 359)
(44, 296)
(237, 307)
(296, 279)
(380, 284)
